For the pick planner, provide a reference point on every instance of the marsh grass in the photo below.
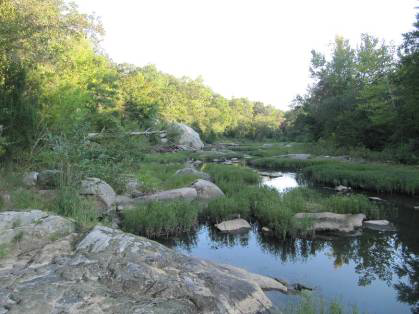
(388, 178)
(156, 176)
(165, 158)
(369, 176)
(158, 219)
(231, 179)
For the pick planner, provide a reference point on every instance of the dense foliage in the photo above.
(366, 96)
(54, 79)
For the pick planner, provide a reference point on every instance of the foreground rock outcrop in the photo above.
(330, 221)
(109, 271)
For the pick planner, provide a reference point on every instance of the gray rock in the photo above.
(266, 230)
(182, 193)
(375, 199)
(49, 178)
(330, 221)
(192, 171)
(207, 190)
(416, 207)
(342, 188)
(380, 225)
(188, 137)
(96, 187)
(113, 272)
(30, 178)
(235, 225)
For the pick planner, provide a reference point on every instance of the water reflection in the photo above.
(378, 271)
(287, 181)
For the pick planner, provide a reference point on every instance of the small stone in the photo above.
(342, 188)
(49, 178)
(235, 225)
(375, 199)
(266, 230)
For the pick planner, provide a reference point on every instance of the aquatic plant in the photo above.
(161, 218)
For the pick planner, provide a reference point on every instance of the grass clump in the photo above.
(231, 179)
(156, 176)
(70, 204)
(158, 219)
(23, 199)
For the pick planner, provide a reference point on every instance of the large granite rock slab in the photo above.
(110, 271)
(330, 221)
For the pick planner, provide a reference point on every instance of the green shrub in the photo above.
(161, 218)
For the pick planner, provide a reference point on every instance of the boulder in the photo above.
(188, 137)
(110, 271)
(207, 190)
(235, 225)
(189, 194)
(192, 171)
(49, 178)
(100, 189)
(30, 178)
(379, 225)
(330, 221)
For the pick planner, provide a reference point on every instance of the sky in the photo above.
(259, 49)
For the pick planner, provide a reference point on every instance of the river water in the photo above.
(378, 272)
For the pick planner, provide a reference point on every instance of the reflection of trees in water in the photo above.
(390, 257)
(409, 289)
(289, 249)
(185, 242)
(228, 239)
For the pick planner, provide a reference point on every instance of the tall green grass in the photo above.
(368, 176)
(389, 178)
(159, 219)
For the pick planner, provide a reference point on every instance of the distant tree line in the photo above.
(365, 96)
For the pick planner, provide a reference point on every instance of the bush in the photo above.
(161, 218)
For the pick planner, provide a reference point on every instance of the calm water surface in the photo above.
(377, 271)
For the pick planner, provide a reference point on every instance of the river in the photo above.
(377, 272)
